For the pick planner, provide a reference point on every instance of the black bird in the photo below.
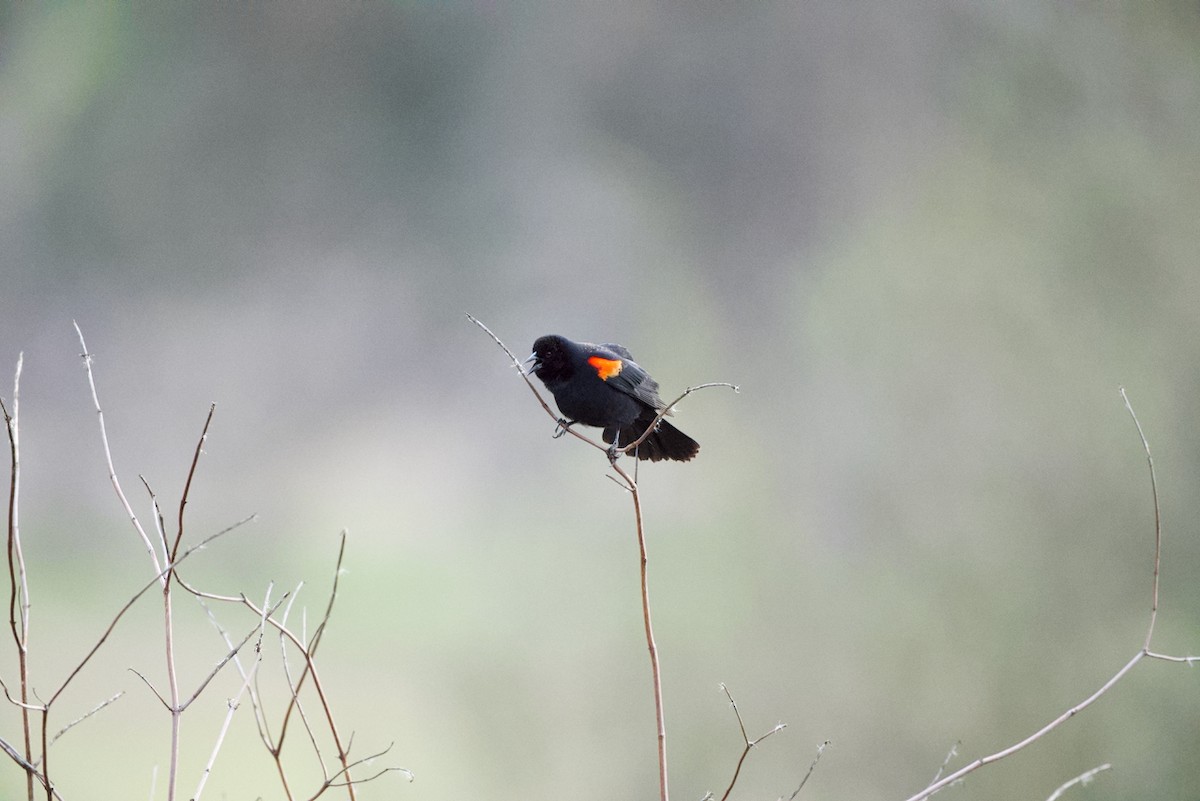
(602, 386)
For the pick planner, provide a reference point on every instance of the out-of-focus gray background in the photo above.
(929, 243)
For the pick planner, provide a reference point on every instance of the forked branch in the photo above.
(745, 740)
(1143, 652)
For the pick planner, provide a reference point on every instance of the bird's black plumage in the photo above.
(602, 386)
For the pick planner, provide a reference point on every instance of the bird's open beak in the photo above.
(533, 357)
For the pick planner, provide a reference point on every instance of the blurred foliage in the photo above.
(928, 243)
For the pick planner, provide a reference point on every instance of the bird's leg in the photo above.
(612, 449)
(561, 428)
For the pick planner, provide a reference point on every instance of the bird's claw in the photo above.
(561, 428)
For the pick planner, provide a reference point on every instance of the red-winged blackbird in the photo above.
(602, 386)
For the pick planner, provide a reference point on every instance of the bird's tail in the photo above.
(666, 442)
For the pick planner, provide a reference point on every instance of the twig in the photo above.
(84, 717)
(45, 707)
(669, 408)
(128, 604)
(18, 702)
(812, 766)
(337, 575)
(309, 672)
(332, 780)
(225, 660)
(308, 650)
(1157, 520)
(1137, 657)
(30, 770)
(525, 377)
(745, 739)
(112, 471)
(177, 707)
(160, 527)
(187, 485)
(293, 689)
(166, 704)
(946, 762)
(18, 583)
(235, 702)
(249, 677)
(1082, 779)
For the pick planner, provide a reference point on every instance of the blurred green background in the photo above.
(928, 242)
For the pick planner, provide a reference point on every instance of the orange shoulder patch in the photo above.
(605, 368)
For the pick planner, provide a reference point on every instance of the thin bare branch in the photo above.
(177, 707)
(233, 705)
(655, 668)
(309, 671)
(525, 377)
(307, 725)
(1143, 652)
(1157, 519)
(19, 604)
(381, 772)
(951, 754)
(745, 739)
(250, 677)
(1082, 779)
(112, 471)
(295, 701)
(159, 524)
(172, 681)
(187, 486)
(235, 702)
(669, 408)
(237, 599)
(812, 766)
(17, 702)
(128, 604)
(226, 659)
(84, 717)
(309, 649)
(333, 780)
(1190, 660)
(337, 575)
(166, 704)
(30, 770)
(1037, 735)
(15, 559)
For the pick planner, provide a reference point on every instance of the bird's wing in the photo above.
(632, 379)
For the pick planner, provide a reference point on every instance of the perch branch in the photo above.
(655, 669)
